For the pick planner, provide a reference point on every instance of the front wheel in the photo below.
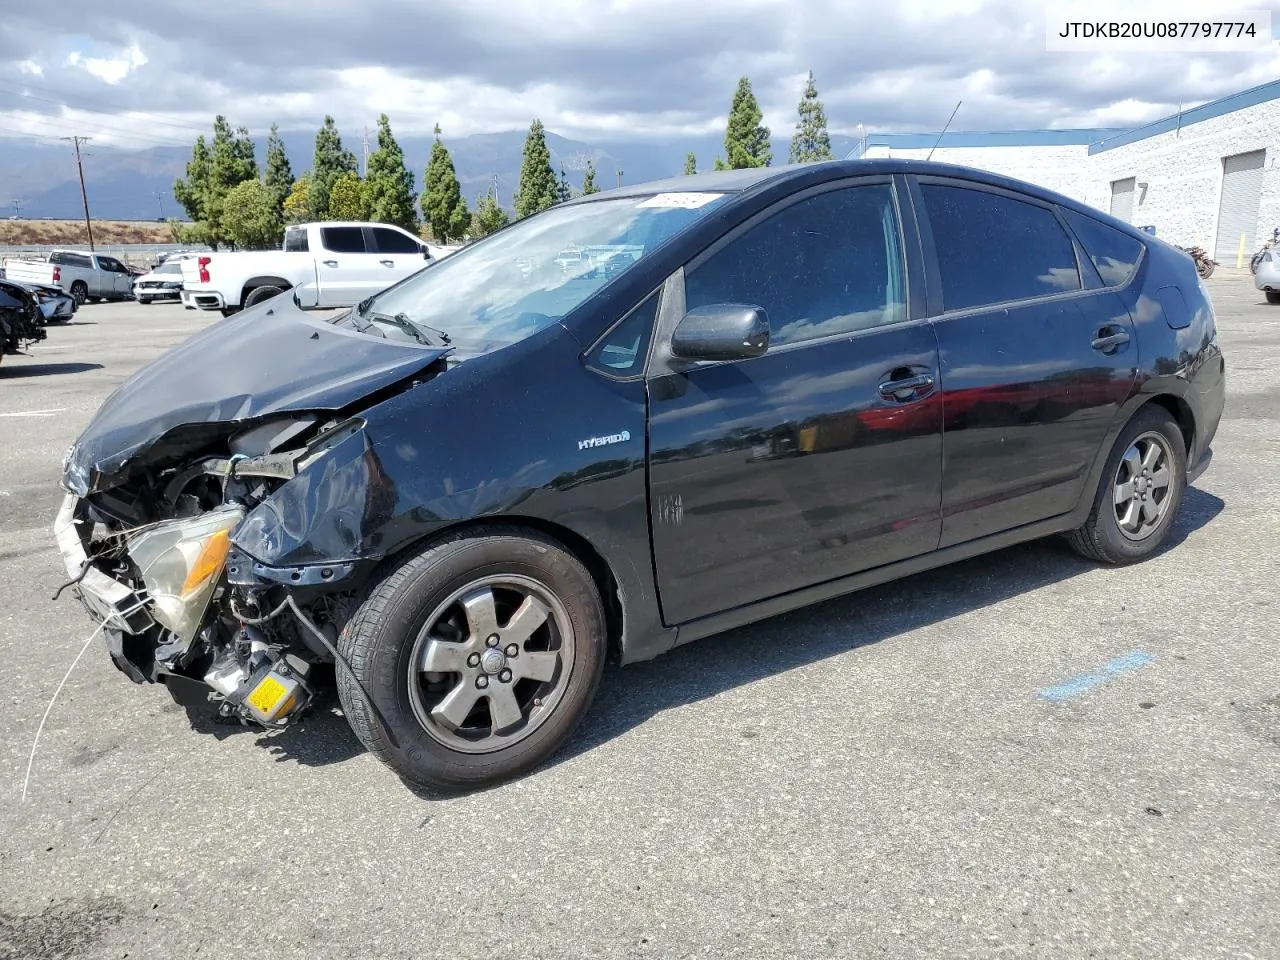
(480, 654)
(1273, 296)
(1204, 268)
(1139, 494)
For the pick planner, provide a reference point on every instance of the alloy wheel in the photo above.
(1141, 491)
(491, 664)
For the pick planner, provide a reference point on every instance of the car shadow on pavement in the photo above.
(320, 738)
(630, 695)
(15, 370)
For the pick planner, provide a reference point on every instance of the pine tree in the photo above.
(690, 164)
(279, 176)
(389, 183)
(589, 180)
(538, 189)
(330, 162)
(192, 191)
(563, 190)
(214, 169)
(489, 216)
(746, 141)
(810, 142)
(443, 207)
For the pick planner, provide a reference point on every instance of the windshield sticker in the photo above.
(688, 201)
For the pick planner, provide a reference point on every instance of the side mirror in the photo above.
(721, 331)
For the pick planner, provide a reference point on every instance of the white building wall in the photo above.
(1183, 173)
(1060, 168)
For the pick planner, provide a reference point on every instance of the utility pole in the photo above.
(365, 171)
(88, 224)
(619, 177)
(160, 200)
(17, 207)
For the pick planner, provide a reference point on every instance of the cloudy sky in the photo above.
(147, 72)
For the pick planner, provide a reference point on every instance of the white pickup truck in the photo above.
(341, 262)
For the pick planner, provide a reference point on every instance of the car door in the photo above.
(346, 272)
(399, 255)
(1036, 356)
(114, 277)
(823, 456)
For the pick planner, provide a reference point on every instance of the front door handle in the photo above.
(1108, 342)
(906, 388)
(331, 263)
(387, 263)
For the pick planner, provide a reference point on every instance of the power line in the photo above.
(142, 114)
(67, 123)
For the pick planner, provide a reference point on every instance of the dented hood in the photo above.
(268, 360)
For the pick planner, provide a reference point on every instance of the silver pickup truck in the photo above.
(85, 276)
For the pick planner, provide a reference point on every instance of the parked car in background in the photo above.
(55, 306)
(341, 263)
(467, 491)
(162, 283)
(1266, 274)
(85, 276)
(20, 320)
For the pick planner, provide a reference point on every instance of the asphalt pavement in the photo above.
(1023, 755)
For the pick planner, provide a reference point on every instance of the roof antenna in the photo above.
(944, 130)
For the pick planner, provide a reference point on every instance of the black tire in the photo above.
(258, 294)
(229, 311)
(1273, 296)
(1204, 268)
(380, 640)
(1100, 538)
(80, 293)
(144, 300)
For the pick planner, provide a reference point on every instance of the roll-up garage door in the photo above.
(1238, 213)
(1122, 198)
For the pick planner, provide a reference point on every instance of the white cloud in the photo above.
(109, 69)
(31, 68)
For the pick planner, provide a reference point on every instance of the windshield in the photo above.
(522, 279)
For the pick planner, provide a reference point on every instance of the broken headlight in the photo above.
(180, 562)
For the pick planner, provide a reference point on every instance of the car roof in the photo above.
(751, 180)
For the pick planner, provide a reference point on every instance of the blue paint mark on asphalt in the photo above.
(1087, 681)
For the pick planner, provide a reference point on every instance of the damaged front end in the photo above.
(170, 473)
(155, 564)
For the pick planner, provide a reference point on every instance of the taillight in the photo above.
(203, 263)
(57, 274)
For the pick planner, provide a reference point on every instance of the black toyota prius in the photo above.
(624, 423)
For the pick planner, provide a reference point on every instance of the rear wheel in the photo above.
(480, 655)
(80, 292)
(1204, 268)
(1273, 296)
(1140, 492)
(258, 294)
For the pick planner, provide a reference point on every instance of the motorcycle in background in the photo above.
(1257, 257)
(1204, 266)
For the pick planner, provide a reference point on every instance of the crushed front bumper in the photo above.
(121, 611)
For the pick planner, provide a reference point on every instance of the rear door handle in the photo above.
(331, 263)
(907, 388)
(387, 263)
(1107, 342)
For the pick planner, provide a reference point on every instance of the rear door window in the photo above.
(993, 248)
(1115, 254)
(343, 239)
(295, 240)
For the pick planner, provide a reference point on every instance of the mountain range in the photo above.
(138, 184)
